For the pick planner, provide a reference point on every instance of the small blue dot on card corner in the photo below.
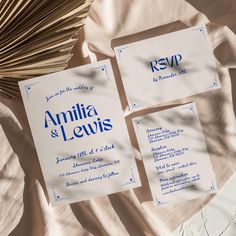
(130, 179)
(28, 88)
(102, 68)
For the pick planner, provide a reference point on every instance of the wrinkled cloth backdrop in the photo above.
(24, 206)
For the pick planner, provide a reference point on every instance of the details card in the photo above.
(175, 154)
(167, 67)
(80, 133)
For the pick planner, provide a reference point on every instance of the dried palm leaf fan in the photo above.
(36, 38)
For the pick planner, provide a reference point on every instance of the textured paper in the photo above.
(85, 152)
(167, 67)
(175, 155)
(216, 218)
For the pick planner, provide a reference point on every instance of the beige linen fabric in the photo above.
(24, 208)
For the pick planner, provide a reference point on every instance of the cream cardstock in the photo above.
(167, 67)
(80, 133)
(175, 155)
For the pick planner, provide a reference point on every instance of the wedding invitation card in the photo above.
(80, 133)
(175, 154)
(167, 67)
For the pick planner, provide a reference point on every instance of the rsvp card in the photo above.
(80, 133)
(175, 155)
(167, 67)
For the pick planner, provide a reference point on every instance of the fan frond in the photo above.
(36, 38)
